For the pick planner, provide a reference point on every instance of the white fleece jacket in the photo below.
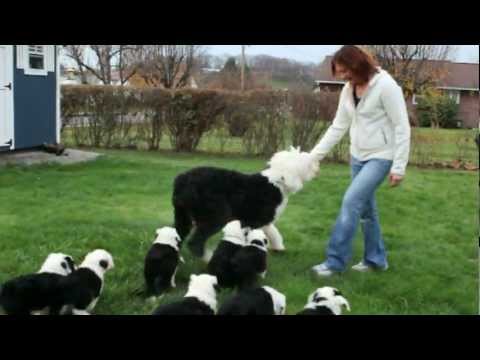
(379, 126)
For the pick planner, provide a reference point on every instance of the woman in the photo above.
(373, 108)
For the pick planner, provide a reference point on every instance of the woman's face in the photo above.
(343, 73)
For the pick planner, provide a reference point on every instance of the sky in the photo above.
(315, 53)
(307, 53)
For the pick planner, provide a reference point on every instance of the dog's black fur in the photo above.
(33, 292)
(248, 302)
(81, 288)
(211, 197)
(186, 306)
(221, 264)
(160, 265)
(248, 263)
(318, 310)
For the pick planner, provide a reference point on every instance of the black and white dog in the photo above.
(200, 299)
(161, 262)
(250, 261)
(34, 293)
(210, 197)
(259, 301)
(325, 301)
(220, 264)
(81, 289)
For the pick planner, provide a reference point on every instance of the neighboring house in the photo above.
(29, 96)
(461, 83)
(71, 76)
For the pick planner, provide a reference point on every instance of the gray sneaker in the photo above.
(363, 267)
(322, 270)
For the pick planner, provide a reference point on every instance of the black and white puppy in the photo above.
(82, 288)
(220, 264)
(200, 299)
(250, 262)
(210, 197)
(161, 262)
(259, 301)
(33, 293)
(325, 301)
(58, 263)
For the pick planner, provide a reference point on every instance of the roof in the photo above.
(460, 76)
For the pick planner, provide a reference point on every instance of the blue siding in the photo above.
(34, 108)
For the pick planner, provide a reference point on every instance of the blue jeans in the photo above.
(359, 205)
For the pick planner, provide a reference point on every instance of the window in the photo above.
(36, 60)
(455, 95)
(36, 57)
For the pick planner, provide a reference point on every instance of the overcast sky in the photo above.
(315, 53)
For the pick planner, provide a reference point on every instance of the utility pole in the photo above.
(243, 69)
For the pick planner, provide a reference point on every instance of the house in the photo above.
(29, 96)
(71, 76)
(461, 83)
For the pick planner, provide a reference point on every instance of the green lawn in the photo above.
(430, 225)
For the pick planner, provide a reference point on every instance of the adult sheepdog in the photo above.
(207, 198)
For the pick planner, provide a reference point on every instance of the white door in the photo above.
(6, 96)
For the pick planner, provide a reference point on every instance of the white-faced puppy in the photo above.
(34, 293)
(325, 301)
(250, 262)
(58, 263)
(259, 301)
(221, 263)
(82, 288)
(200, 299)
(211, 197)
(162, 261)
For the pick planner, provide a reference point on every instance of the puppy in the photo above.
(161, 262)
(34, 293)
(58, 263)
(81, 289)
(221, 263)
(211, 197)
(259, 301)
(250, 262)
(325, 301)
(200, 299)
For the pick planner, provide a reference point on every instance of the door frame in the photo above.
(10, 109)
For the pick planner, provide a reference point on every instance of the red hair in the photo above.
(362, 65)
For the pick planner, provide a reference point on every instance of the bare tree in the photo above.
(415, 67)
(102, 60)
(169, 66)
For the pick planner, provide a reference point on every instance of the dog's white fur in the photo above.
(53, 264)
(233, 232)
(202, 287)
(289, 171)
(92, 262)
(333, 302)
(279, 300)
(257, 234)
(168, 236)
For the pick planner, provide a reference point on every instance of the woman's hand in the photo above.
(395, 180)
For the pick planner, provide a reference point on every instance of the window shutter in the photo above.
(50, 58)
(21, 56)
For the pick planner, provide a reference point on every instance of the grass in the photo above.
(430, 225)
